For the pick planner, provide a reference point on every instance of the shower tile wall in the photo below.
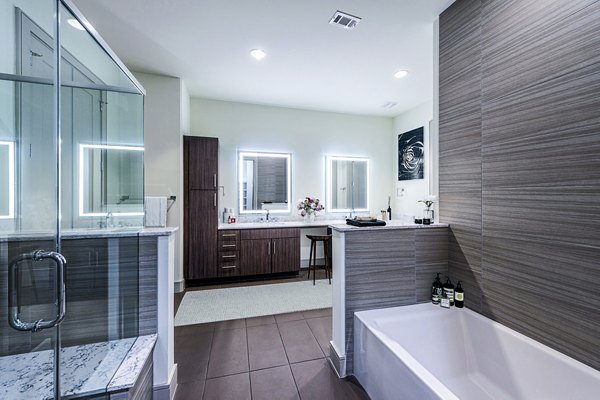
(520, 172)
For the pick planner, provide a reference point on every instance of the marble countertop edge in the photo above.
(130, 368)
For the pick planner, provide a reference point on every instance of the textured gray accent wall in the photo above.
(390, 268)
(148, 285)
(520, 164)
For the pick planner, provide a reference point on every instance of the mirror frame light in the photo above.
(11, 179)
(329, 178)
(287, 157)
(82, 148)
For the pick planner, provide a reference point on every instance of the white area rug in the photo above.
(252, 301)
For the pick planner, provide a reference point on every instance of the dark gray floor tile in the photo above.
(299, 342)
(256, 321)
(229, 353)
(316, 380)
(273, 384)
(321, 329)
(265, 348)
(192, 354)
(190, 390)
(231, 324)
(322, 312)
(232, 387)
(194, 329)
(293, 316)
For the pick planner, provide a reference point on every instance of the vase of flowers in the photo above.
(309, 207)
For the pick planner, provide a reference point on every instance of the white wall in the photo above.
(163, 141)
(407, 193)
(308, 135)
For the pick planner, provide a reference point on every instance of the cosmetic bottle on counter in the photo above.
(436, 290)
(389, 209)
(449, 291)
(459, 296)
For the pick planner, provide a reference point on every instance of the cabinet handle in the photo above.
(229, 235)
(228, 245)
(273, 248)
(215, 180)
(229, 267)
(215, 199)
(269, 250)
(232, 256)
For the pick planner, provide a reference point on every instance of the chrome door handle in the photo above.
(13, 291)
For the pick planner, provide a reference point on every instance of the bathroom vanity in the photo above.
(379, 267)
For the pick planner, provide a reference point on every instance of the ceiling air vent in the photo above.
(344, 20)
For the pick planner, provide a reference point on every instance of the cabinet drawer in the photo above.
(269, 233)
(229, 245)
(228, 256)
(229, 268)
(227, 235)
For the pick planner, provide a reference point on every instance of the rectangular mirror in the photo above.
(264, 182)
(347, 184)
(7, 180)
(111, 179)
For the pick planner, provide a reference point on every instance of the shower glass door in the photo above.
(31, 266)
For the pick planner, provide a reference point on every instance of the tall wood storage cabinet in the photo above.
(201, 163)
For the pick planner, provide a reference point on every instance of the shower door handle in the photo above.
(14, 307)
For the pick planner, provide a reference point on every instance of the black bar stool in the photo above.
(312, 260)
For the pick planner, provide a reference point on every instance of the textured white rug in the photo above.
(252, 301)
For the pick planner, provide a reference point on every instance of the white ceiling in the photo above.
(310, 64)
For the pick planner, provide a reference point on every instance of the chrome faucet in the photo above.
(109, 219)
(268, 215)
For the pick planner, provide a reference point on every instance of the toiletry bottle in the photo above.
(449, 291)
(436, 290)
(389, 209)
(459, 296)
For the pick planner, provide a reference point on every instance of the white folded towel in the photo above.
(155, 212)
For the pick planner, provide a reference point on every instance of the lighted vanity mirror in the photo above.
(111, 180)
(347, 184)
(7, 180)
(264, 182)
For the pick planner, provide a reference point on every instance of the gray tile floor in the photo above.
(277, 357)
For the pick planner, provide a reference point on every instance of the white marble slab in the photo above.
(390, 225)
(85, 370)
(89, 233)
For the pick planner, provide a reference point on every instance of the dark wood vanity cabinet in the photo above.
(201, 216)
(269, 251)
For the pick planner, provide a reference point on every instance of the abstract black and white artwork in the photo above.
(411, 152)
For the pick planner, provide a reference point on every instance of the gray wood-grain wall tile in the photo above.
(390, 268)
(539, 143)
(148, 285)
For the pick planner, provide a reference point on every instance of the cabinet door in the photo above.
(201, 232)
(285, 255)
(255, 257)
(201, 163)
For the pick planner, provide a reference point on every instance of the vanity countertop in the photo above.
(90, 233)
(283, 224)
(390, 225)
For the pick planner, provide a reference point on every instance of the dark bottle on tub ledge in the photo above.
(459, 296)
(436, 290)
(449, 291)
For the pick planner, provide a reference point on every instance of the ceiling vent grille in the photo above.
(344, 20)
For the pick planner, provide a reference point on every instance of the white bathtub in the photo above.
(426, 352)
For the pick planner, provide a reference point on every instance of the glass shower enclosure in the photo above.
(71, 182)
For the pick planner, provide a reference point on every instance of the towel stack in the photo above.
(155, 212)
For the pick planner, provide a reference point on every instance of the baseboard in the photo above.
(337, 362)
(179, 286)
(167, 392)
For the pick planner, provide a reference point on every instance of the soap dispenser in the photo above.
(449, 291)
(459, 296)
(436, 290)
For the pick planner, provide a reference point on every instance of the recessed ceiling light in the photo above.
(258, 54)
(389, 104)
(75, 24)
(400, 74)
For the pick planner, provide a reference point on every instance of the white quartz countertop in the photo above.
(90, 233)
(390, 225)
(317, 223)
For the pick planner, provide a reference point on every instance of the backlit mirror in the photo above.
(111, 179)
(7, 180)
(347, 184)
(264, 182)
